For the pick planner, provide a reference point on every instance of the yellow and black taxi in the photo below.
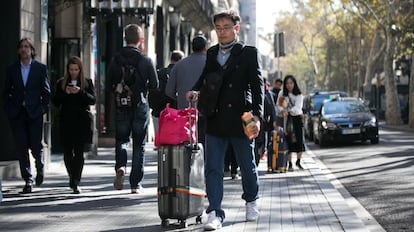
(345, 119)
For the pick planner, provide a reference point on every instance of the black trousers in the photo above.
(74, 161)
(28, 136)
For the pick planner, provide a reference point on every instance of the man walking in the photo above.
(27, 96)
(241, 90)
(186, 72)
(133, 73)
(276, 87)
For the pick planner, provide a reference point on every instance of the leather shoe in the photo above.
(39, 177)
(27, 188)
(76, 190)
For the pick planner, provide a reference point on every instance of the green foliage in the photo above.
(328, 42)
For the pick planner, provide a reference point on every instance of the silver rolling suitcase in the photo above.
(181, 182)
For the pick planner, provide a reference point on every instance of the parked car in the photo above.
(343, 119)
(311, 105)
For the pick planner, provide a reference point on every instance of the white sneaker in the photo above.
(119, 178)
(252, 213)
(213, 222)
(137, 190)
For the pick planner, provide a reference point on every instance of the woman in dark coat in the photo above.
(74, 95)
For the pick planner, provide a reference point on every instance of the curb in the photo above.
(365, 217)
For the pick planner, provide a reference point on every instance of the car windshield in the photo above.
(318, 100)
(344, 107)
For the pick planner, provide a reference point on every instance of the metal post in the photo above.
(378, 102)
(278, 55)
(378, 86)
(359, 78)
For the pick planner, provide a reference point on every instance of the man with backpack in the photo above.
(132, 75)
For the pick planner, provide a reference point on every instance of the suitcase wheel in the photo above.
(199, 220)
(165, 223)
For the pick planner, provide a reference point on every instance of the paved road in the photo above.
(379, 176)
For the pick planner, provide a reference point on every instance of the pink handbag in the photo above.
(174, 126)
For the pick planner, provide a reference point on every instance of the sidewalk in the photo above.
(309, 200)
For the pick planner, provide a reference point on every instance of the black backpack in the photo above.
(129, 70)
(130, 78)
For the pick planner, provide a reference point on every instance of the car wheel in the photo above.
(374, 140)
(322, 141)
(315, 140)
(311, 135)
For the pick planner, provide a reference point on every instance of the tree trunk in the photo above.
(377, 48)
(392, 107)
(411, 95)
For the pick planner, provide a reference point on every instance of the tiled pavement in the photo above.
(309, 200)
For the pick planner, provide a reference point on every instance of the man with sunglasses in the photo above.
(241, 90)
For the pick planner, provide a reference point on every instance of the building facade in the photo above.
(93, 30)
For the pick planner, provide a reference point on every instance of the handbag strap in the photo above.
(290, 100)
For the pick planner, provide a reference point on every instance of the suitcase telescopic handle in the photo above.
(192, 104)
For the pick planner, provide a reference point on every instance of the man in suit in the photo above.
(242, 89)
(27, 96)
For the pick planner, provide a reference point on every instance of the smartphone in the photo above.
(72, 83)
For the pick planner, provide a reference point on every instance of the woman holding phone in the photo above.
(74, 95)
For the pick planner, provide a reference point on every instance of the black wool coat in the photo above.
(242, 89)
(74, 116)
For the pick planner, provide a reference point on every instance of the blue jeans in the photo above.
(135, 121)
(214, 161)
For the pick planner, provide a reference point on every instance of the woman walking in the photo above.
(74, 95)
(290, 102)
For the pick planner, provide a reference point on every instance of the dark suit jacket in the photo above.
(242, 89)
(35, 95)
